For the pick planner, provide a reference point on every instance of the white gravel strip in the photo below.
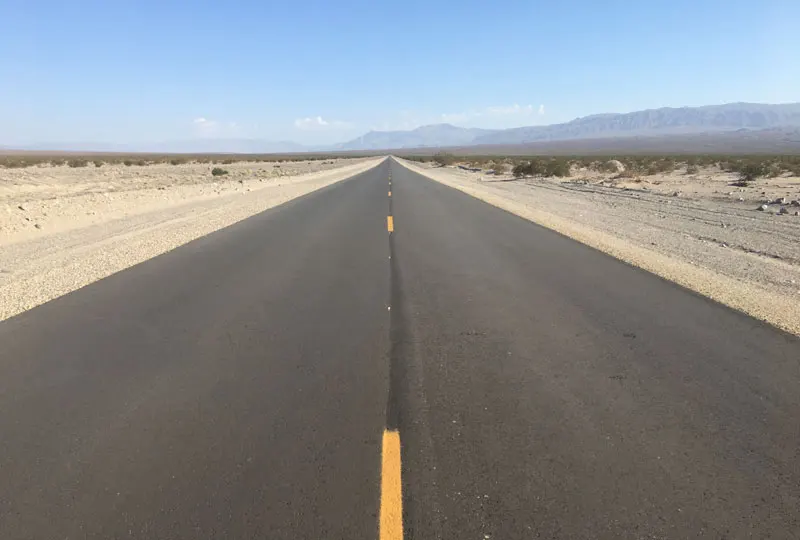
(36, 271)
(773, 302)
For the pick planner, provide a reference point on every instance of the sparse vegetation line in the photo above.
(749, 168)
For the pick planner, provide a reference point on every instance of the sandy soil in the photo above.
(695, 230)
(62, 228)
(709, 183)
(37, 201)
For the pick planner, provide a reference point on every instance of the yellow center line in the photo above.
(390, 223)
(391, 521)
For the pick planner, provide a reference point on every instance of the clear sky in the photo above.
(320, 71)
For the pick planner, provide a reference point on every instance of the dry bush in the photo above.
(444, 159)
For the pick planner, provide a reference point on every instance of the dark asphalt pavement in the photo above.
(239, 387)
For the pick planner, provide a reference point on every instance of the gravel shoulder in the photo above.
(88, 233)
(718, 246)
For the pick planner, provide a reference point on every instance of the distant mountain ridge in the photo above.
(421, 137)
(651, 122)
(749, 118)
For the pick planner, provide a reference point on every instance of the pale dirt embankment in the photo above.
(63, 228)
(696, 231)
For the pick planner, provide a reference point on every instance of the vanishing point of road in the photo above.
(385, 358)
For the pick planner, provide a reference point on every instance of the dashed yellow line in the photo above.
(390, 223)
(391, 520)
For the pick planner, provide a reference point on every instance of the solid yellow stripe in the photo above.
(390, 223)
(391, 523)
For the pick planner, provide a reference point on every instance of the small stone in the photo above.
(779, 200)
(741, 199)
(676, 194)
(795, 203)
(21, 207)
(763, 207)
(37, 225)
(783, 210)
(797, 213)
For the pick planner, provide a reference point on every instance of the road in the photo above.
(306, 374)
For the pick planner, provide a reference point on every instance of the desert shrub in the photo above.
(177, 161)
(75, 163)
(691, 168)
(98, 163)
(607, 166)
(499, 168)
(651, 169)
(749, 172)
(127, 162)
(773, 170)
(664, 165)
(217, 171)
(520, 170)
(141, 163)
(532, 167)
(15, 163)
(227, 161)
(557, 167)
(443, 158)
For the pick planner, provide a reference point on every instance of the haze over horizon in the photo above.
(317, 74)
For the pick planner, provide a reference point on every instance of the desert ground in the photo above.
(64, 227)
(737, 245)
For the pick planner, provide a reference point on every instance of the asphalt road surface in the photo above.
(246, 385)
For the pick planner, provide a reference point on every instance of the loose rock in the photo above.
(795, 203)
(783, 210)
(779, 200)
(763, 207)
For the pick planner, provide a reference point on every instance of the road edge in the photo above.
(766, 306)
(80, 265)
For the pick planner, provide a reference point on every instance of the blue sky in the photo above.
(317, 71)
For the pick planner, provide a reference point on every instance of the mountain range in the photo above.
(647, 123)
(748, 118)
(435, 135)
